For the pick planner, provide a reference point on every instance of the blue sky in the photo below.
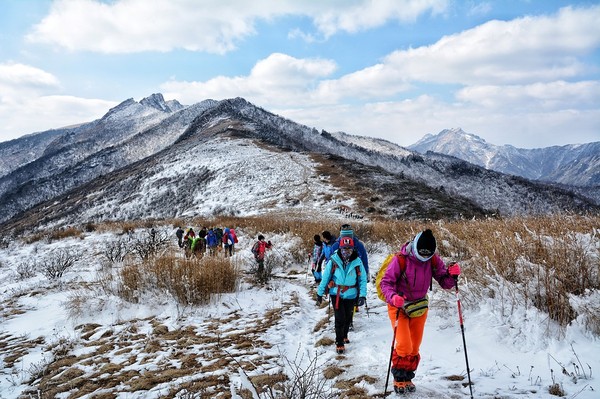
(525, 73)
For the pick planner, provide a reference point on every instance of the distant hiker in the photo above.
(198, 246)
(212, 242)
(258, 250)
(317, 258)
(234, 235)
(228, 242)
(328, 241)
(188, 240)
(345, 279)
(189, 234)
(404, 286)
(219, 234)
(179, 234)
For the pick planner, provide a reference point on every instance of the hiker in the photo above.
(317, 259)
(219, 233)
(198, 247)
(212, 242)
(228, 242)
(405, 282)
(179, 234)
(346, 231)
(328, 241)
(188, 240)
(345, 279)
(258, 250)
(234, 235)
(189, 234)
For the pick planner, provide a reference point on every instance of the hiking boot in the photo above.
(410, 387)
(346, 341)
(340, 349)
(400, 387)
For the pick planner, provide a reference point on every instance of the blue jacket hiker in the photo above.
(328, 241)
(228, 242)
(345, 280)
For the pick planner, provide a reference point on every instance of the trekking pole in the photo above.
(462, 329)
(309, 267)
(387, 378)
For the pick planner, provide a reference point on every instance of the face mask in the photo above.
(346, 252)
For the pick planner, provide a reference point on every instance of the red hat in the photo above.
(346, 242)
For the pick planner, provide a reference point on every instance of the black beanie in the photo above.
(261, 237)
(327, 235)
(317, 239)
(426, 241)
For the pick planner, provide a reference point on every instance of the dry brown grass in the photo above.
(51, 235)
(189, 281)
(540, 261)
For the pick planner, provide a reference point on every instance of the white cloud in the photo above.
(40, 113)
(19, 80)
(354, 16)
(130, 26)
(537, 96)
(28, 102)
(213, 26)
(277, 79)
(519, 51)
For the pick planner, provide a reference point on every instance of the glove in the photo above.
(361, 301)
(319, 300)
(397, 301)
(454, 270)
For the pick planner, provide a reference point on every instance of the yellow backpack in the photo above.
(383, 268)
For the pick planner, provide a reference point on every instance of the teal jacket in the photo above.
(344, 277)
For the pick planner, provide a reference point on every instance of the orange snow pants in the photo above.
(409, 335)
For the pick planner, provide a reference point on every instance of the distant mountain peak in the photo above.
(574, 165)
(158, 102)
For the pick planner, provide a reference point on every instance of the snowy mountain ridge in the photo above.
(78, 172)
(573, 164)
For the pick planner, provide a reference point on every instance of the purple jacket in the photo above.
(414, 283)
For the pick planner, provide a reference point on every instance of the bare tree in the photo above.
(150, 243)
(57, 263)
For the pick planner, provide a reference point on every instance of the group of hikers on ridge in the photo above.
(207, 240)
(341, 271)
(214, 239)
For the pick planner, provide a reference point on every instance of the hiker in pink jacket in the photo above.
(405, 283)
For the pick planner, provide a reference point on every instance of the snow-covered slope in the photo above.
(74, 338)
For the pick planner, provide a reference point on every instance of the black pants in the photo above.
(343, 317)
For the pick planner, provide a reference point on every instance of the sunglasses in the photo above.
(425, 252)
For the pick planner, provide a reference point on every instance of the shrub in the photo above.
(57, 263)
(189, 281)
